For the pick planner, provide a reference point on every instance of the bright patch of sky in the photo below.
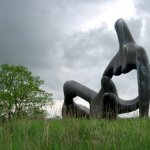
(109, 12)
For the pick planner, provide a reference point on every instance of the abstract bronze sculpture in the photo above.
(106, 103)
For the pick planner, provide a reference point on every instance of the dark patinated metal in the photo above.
(106, 103)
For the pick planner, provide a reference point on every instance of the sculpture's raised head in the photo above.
(123, 32)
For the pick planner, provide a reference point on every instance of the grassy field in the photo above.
(75, 134)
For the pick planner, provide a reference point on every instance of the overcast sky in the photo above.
(60, 40)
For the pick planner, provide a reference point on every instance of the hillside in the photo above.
(75, 134)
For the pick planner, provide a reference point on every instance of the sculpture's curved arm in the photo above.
(71, 90)
(75, 110)
(107, 102)
(125, 106)
(112, 105)
(109, 88)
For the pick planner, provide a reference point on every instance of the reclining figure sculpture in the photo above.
(106, 103)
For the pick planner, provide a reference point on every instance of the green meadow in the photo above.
(75, 134)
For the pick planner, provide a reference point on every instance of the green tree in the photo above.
(20, 92)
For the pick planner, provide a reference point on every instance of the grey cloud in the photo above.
(87, 49)
(143, 11)
(135, 26)
(143, 5)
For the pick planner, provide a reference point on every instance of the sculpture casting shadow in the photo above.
(106, 103)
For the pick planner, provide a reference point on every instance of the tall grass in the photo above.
(75, 134)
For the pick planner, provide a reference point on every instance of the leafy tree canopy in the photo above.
(20, 92)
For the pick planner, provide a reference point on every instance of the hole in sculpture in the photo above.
(81, 101)
(127, 85)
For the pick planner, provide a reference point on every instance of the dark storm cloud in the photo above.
(30, 31)
(30, 36)
(23, 33)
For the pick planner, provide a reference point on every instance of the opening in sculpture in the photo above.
(106, 103)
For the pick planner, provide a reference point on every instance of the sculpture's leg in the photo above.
(75, 110)
(71, 90)
(104, 104)
(143, 75)
(109, 106)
